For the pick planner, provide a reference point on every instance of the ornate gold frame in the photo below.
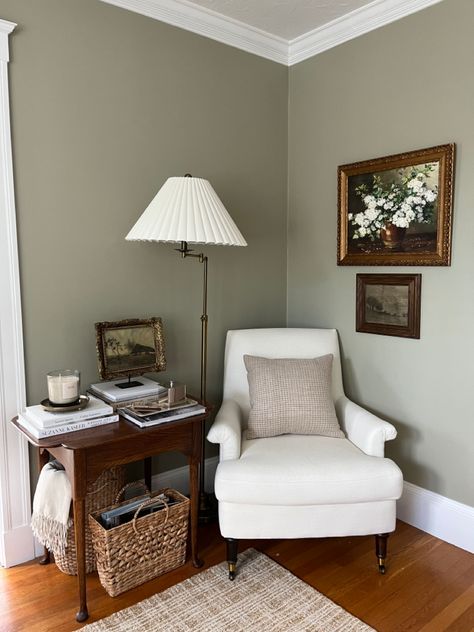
(444, 155)
(153, 360)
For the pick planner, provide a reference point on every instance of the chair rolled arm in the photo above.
(367, 431)
(227, 430)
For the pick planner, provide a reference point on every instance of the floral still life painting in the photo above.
(397, 210)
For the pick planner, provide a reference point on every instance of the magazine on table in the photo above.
(162, 416)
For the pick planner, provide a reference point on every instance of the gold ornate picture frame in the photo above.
(130, 347)
(397, 210)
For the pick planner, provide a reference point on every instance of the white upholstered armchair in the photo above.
(300, 486)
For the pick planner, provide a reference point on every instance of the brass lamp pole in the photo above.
(188, 210)
(204, 505)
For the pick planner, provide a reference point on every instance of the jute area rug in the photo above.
(264, 597)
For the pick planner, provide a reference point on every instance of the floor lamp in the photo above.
(188, 210)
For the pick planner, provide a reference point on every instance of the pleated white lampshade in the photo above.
(187, 209)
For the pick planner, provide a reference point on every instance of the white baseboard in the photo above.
(440, 516)
(444, 518)
(179, 478)
(18, 545)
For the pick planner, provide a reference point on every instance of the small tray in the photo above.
(53, 408)
(160, 406)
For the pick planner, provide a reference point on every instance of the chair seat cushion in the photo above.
(306, 470)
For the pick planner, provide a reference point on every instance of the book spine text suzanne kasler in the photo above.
(43, 433)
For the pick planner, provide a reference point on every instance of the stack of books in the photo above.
(147, 412)
(40, 423)
(119, 393)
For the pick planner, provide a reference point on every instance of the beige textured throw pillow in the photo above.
(291, 396)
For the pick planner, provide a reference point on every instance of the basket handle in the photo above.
(106, 484)
(118, 498)
(151, 501)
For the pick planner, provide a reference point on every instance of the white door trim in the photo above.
(16, 539)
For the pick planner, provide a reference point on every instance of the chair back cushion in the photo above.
(291, 396)
(276, 343)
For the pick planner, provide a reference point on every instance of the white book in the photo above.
(114, 392)
(163, 417)
(42, 433)
(45, 419)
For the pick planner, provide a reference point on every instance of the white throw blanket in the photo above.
(50, 520)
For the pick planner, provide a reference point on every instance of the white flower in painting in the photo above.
(403, 201)
(401, 222)
(415, 184)
(372, 213)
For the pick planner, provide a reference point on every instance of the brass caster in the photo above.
(231, 571)
(381, 566)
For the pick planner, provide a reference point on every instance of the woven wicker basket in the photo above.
(135, 552)
(101, 492)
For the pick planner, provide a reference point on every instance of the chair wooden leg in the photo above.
(381, 550)
(232, 546)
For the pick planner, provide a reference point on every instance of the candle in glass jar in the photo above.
(63, 386)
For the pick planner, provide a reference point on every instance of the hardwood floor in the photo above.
(428, 586)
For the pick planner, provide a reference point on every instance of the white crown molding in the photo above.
(216, 26)
(358, 22)
(440, 516)
(5, 29)
(202, 21)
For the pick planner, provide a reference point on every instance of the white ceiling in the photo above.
(284, 18)
(285, 31)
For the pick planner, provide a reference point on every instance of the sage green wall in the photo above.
(406, 86)
(105, 105)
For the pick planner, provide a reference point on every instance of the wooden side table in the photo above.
(86, 453)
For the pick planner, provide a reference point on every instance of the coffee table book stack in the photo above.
(40, 423)
(145, 402)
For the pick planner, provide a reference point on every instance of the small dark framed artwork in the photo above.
(389, 304)
(130, 347)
